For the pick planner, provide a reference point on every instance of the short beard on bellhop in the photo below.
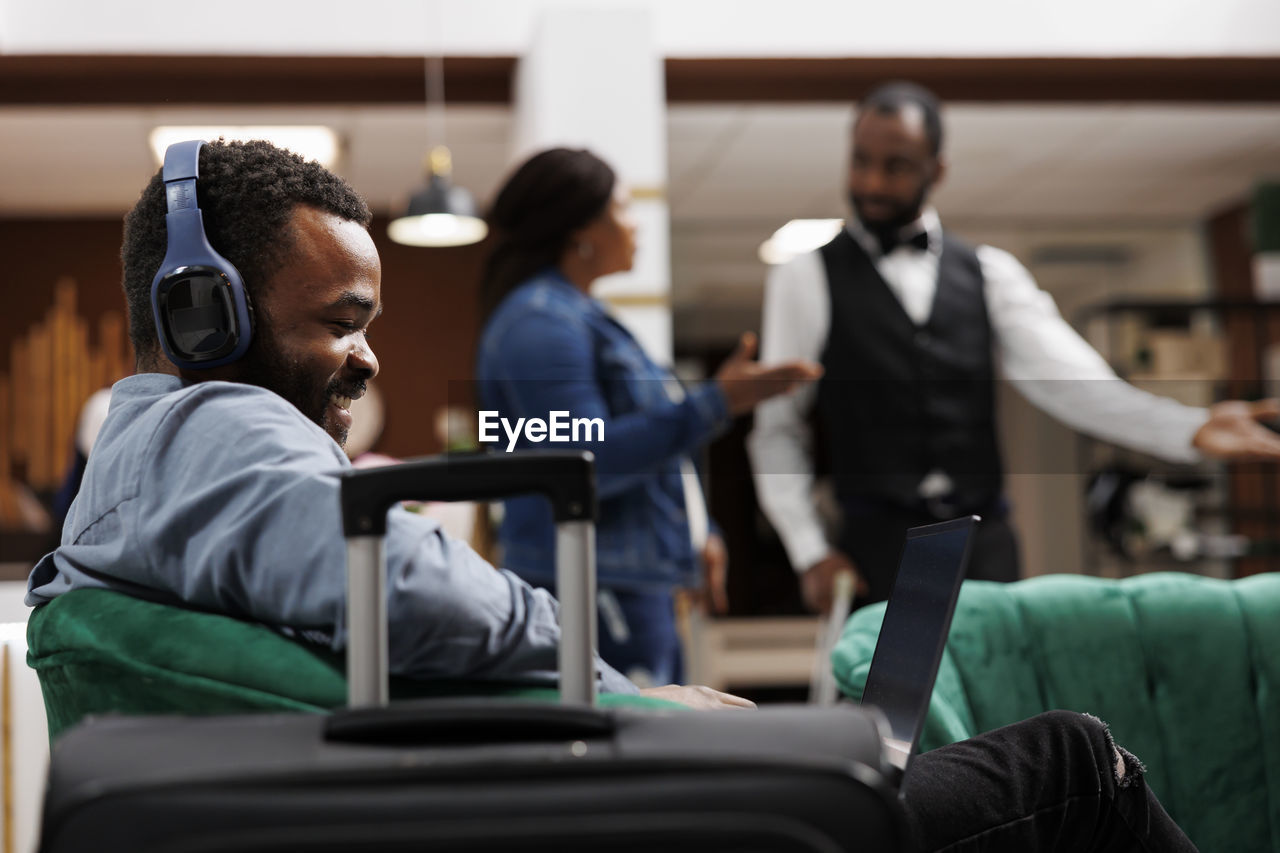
(903, 215)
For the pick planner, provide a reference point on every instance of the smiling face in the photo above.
(893, 168)
(310, 338)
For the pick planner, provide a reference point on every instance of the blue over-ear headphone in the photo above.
(201, 309)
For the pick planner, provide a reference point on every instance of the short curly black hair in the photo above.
(247, 193)
(891, 98)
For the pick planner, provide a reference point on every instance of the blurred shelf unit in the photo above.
(750, 652)
(1196, 352)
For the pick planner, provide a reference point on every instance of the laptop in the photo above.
(916, 621)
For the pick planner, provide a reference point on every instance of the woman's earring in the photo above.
(586, 250)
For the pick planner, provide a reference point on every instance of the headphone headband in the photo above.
(182, 164)
(182, 160)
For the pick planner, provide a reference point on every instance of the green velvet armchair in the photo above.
(99, 652)
(1185, 669)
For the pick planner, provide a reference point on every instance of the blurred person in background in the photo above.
(911, 326)
(92, 414)
(561, 222)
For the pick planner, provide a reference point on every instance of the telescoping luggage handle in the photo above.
(566, 478)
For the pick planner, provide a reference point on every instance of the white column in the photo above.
(24, 742)
(593, 78)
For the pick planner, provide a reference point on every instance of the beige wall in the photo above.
(1046, 473)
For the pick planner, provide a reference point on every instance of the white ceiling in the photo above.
(736, 172)
(678, 28)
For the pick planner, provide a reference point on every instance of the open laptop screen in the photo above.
(916, 622)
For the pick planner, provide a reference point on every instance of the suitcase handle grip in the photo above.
(565, 477)
(457, 722)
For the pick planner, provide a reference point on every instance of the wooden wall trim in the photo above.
(182, 80)
(1235, 79)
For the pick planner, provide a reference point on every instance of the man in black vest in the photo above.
(912, 325)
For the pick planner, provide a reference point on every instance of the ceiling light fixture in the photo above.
(439, 214)
(797, 237)
(311, 142)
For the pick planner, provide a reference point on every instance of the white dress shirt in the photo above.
(1036, 350)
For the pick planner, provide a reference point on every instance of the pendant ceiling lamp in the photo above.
(438, 214)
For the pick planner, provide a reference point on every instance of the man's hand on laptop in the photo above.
(698, 697)
(817, 584)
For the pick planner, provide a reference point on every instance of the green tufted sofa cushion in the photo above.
(1185, 669)
(97, 651)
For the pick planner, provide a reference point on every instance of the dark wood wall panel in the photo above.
(1254, 488)
(424, 341)
(37, 252)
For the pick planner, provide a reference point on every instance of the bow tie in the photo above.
(889, 242)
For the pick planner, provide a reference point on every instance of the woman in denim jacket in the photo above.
(561, 221)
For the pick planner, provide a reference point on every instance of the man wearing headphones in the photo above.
(214, 484)
(214, 478)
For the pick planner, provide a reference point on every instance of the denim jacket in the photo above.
(549, 347)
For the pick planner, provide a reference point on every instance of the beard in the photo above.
(266, 366)
(901, 214)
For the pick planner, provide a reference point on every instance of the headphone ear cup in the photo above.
(202, 313)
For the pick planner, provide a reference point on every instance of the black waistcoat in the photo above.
(899, 400)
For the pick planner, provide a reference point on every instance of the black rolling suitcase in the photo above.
(474, 775)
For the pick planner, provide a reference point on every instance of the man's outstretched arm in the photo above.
(1057, 370)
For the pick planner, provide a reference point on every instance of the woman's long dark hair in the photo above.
(546, 199)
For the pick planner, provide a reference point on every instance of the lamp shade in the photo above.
(439, 214)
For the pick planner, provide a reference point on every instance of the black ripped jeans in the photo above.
(1048, 783)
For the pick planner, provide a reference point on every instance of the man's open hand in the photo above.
(1233, 432)
(698, 697)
